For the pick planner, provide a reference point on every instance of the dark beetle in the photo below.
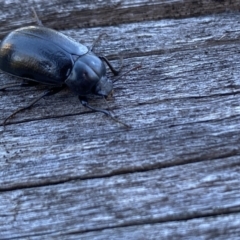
(45, 56)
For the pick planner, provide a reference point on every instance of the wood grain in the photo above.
(69, 173)
(78, 14)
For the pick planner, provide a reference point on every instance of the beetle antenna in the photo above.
(134, 68)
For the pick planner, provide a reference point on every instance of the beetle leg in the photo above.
(84, 102)
(2, 88)
(97, 39)
(49, 92)
(24, 83)
(39, 22)
(114, 71)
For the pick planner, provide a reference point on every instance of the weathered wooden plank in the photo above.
(174, 98)
(205, 228)
(43, 156)
(162, 48)
(195, 190)
(67, 171)
(109, 12)
(220, 227)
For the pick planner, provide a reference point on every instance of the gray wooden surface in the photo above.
(69, 173)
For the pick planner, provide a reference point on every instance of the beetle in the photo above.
(43, 55)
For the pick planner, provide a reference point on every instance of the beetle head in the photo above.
(88, 76)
